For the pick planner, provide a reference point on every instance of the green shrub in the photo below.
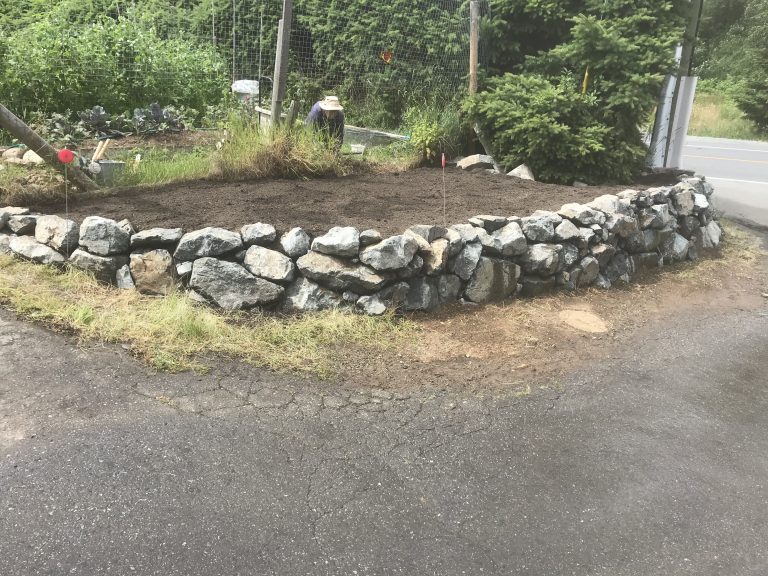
(553, 128)
(433, 131)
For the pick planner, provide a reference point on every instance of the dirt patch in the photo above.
(389, 202)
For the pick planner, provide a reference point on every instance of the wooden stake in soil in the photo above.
(33, 141)
(445, 220)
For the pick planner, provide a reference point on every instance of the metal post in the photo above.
(25, 134)
(234, 38)
(474, 43)
(281, 61)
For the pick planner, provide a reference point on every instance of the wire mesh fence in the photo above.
(378, 56)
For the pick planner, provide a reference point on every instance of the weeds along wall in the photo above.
(379, 56)
(486, 259)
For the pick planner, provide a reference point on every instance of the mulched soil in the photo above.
(389, 202)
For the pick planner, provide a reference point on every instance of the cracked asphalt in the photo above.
(653, 461)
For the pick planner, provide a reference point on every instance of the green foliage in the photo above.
(553, 128)
(433, 131)
(53, 65)
(753, 98)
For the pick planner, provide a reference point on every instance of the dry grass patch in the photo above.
(177, 334)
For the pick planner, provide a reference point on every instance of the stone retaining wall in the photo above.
(486, 259)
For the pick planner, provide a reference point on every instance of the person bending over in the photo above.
(327, 115)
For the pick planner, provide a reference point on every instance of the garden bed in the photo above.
(389, 202)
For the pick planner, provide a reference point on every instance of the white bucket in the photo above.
(245, 90)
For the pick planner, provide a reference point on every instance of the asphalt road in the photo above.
(739, 171)
(653, 462)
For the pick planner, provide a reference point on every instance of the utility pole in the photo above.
(281, 61)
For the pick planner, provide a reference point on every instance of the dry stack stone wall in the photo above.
(487, 259)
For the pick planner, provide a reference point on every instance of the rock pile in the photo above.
(489, 258)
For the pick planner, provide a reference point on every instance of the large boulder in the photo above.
(207, 242)
(507, 241)
(231, 286)
(339, 274)
(581, 214)
(341, 241)
(58, 233)
(153, 272)
(392, 253)
(522, 172)
(258, 234)
(492, 280)
(465, 263)
(543, 259)
(22, 224)
(104, 268)
(157, 238)
(269, 264)
(295, 243)
(475, 161)
(306, 296)
(103, 237)
(30, 249)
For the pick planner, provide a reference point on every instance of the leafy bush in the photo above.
(553, 128)
(433, 131)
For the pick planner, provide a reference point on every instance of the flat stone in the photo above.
(306, 296)
(507, 241)
(104, 268)
(581, 214)
(428, 232)
(607, 203)
(269, 264)
(103, 237)
(123, 278)
(475, 161)
(258, 234)
(8, 211)
(157, 238)
(231, 286)
(370, 236)
(343, 241)
(340, 275)
(207, 242)
(583, 321)
(392, 253)
(490, 222)
(522, 172)
(30, 249)
(22, 224)
(465, 263)
(542, 259)
(153, 272)
(58, 233)
(295, 243)
(492, 280)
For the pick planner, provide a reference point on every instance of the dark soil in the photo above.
(389, 202)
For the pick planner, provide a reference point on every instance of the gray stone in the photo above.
(492, 280)
(602, 282)
(394, 296)
(700, 203)
(22, 224)
(683, 199)
(648, 260)
(123, 278)
(30, 249)
(392, 253)
(423, 294)
(157, 238)
(413, 269)
(675, 249)
(306, 296)
(570, 255)
(295, 243)
(371, 305)
(448, 288)
(621, 225)
(620, 267)
(603, 253)
(258, 234)
(490, 222)
(103, 237)
(5, 244)
(370, 236)
(423, 245)
(567, 231)
(535, 286)
(522, 172)
(696, 183)
(349, 296)
(341, 241)
(436, 260)
(126, 225)
(269, 264)
(231, 286)
(103, 268)
(661, 217)
(475, 161)
(32, 157)
(153, 272)
(588, 235)
(340, 275)
(710, 235)
(207, 242)
(465, 263)
(428, 232)
(538, 229)
(467, 232)
(660, 194)
(183, 270)
(58, 233)
(543, 259)
(581, 214)
(643, 241)
(455, 242)
(608, 204)
(507, 241)
(590, 269)
(688, 226)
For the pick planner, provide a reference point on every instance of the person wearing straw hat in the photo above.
(327, 115)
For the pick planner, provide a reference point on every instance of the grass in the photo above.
(22, 185)
(176, 334)
(159, 166)
(717, 116)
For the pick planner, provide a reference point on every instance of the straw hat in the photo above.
(330, 103)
